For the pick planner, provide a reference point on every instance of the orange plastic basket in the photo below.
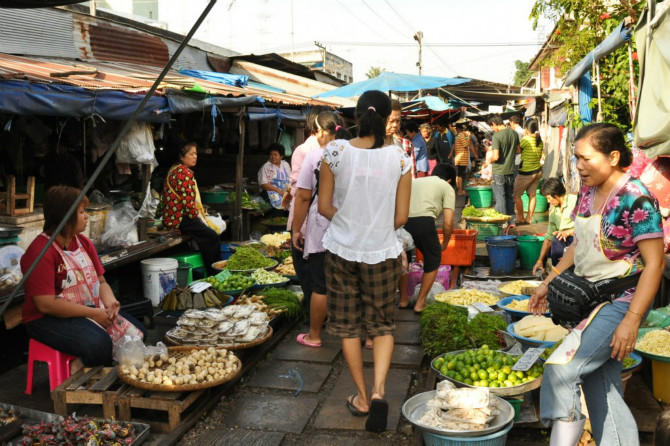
(460, 250)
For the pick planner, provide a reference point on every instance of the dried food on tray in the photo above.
(286, 268)
(466, 297)
(233, 327)
(7, 416)
(459, 409)
(179, 368)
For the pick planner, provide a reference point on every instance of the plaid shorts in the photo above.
(361, 296)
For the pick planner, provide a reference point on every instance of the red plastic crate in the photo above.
(460, 250)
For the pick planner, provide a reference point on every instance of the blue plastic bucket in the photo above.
(502, 256)
(498, 238)
(225, 251)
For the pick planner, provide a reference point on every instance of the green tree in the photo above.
(374, 72)
(582, 25)
(523, 72)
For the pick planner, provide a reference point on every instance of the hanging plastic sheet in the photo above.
(585, 96)
(260, 114)
(617, 39)
(183, 103)
(234, 80)
(27, 98)
(652, 120)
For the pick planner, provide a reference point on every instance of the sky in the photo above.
(479, 39)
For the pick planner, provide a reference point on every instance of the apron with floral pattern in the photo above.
(82, 287)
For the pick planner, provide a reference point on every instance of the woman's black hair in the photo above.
(606, 138)
(372, 110)
(183, 150)
(445, 171)
(332, 123)
(275, 147)
(553, 187)
(311, 117)
(534, 129)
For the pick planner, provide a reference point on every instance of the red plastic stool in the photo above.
(59, 364)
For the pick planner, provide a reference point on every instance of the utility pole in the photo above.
(419, 37)
(92, 8)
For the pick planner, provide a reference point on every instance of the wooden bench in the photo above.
(90, 385)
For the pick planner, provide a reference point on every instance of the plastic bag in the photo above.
(137, 146)
(120, 229)
(130, 351)
(158, 349)
(436, 289)
(216, 223)
(149, 206)
(405, 238)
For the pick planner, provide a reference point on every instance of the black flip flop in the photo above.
(406, 307)
(377, 419)
(353, 409)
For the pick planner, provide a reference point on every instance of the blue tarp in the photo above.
(388, 81)
(261, 114)
(618, 38)
(585, 96)
(26, 98)
(437, 104)
(184, 103)
(234, 80)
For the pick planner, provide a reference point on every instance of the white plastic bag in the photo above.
(405, 238)
(137, 146)
(120, 228)
(436, 289)
(130, 351)
(216, 223)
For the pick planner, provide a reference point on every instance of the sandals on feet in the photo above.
(301, 339)
(376, 421)
(353, 409)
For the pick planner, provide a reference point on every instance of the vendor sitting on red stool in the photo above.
(68, 304)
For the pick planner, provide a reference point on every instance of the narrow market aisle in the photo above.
(297, 396)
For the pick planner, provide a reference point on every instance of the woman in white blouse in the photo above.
(364, 189)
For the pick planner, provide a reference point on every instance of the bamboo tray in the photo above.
(502, 219)
(180, 352)
(234, 346)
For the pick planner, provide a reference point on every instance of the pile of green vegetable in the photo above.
(247, 202)
(267, 277)
(471, 211)
(248, 258)
(445, 328)
(283, 300)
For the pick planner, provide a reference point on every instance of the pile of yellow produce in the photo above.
(519, 305)
(540, 328)
(516, 287)
(276, 239)
(466, 297)
(286, 268)
(656, 342)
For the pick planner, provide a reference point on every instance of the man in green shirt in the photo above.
(504, 150)
(560, 230)
(431, 197)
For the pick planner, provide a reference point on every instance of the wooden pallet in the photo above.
(158, 405)
(90, 385)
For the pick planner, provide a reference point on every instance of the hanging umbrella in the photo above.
(388, 81)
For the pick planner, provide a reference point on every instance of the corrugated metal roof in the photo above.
(290, 83)
(128, 77)
(41, 31)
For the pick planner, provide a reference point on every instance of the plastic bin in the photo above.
(480, 197)
(214, 196)
(661, 380)
(516, 404)
(159, 276)
(225, 251)
(541, 204)
(502, 256)
(183, 272)
(529, 250)
(460, 250)
(485, 229)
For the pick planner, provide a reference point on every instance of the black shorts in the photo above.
(317, 271)
(461, 170)
(424, 233)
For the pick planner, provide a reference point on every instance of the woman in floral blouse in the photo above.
(182, 208)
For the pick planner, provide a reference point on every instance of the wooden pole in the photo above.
(239, 174)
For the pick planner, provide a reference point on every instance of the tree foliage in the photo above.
(523, 72)
(374, 72)
(582, 25)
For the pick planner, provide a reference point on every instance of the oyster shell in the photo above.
(186, 321)
(244, 311)
(215, 315)
(224, 326)
(240, 328)
(257, 318)
(229, 310)
(250, 335)
(194, 314)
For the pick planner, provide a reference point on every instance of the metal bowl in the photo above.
(528, 342)
(415, 407)
(10, 231)
(500, 391)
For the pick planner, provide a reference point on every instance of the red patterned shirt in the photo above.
(179, 196)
